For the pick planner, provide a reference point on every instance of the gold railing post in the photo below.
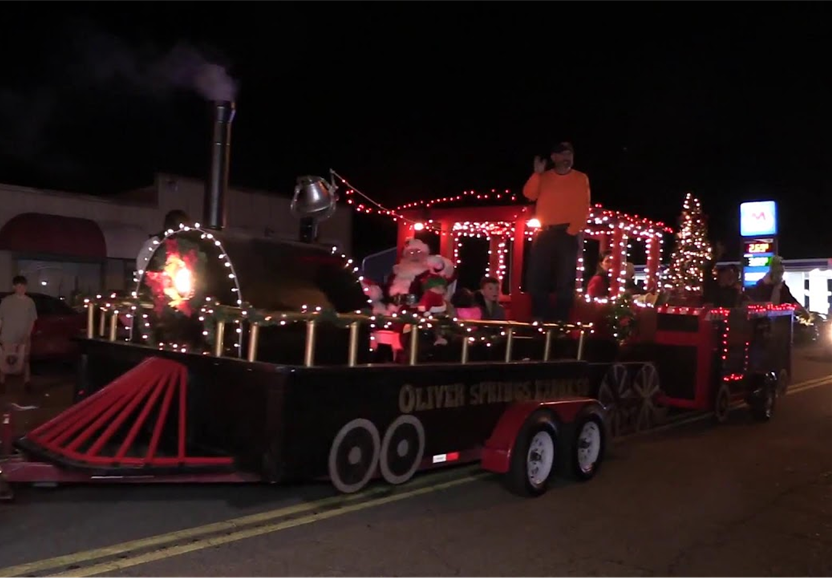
(414, 344)
(113, 324)
(90, 320)
(353, 351)
(253, 340)
(102, 323)
(465, 342)
(581, 345)
(509, 343)
(547, 347)
(309, 348)
(219, 338)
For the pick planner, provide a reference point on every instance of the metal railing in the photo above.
(110, 310)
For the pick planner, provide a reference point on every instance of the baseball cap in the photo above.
(563, 147)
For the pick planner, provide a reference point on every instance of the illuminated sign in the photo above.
(757, 247)
(758, 218)
(763, 261)
(757, 255)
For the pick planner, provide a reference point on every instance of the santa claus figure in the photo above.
(405, 283)
(434, 297)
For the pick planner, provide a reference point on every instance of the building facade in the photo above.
(65, 243)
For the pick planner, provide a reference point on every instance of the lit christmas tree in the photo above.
(686, 270)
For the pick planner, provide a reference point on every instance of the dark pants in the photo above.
(552, 264)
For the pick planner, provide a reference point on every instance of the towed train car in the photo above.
(208, 386)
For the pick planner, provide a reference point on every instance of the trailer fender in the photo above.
(496, 454)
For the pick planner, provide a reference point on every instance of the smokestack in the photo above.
(217, 185)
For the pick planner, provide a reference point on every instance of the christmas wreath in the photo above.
(174, 286)
(622, 318)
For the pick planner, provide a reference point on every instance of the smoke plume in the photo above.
(98, 65)
(106, 59)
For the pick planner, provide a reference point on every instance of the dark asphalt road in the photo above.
(738, 499)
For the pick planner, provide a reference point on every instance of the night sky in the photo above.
(407, 101)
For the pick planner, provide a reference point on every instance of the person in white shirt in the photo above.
(17, 319)
(172, 221)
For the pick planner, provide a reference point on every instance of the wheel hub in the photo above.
(354, 456)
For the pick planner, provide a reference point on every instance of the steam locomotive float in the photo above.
(247, 360)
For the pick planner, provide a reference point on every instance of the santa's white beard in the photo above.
(403, 276)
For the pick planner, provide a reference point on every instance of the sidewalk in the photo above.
(51, 393)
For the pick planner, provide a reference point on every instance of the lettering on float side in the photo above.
(414, 399)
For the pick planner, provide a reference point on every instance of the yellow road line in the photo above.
(237, 525)
(224, 526)
(156, 555)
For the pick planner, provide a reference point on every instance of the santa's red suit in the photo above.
(409, 273)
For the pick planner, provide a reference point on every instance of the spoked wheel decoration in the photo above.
(402, 449)
(354, 456)
(588, 447)
(614, 393)
(647, 393)
(540, 458)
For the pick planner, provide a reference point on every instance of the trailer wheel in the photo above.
(354, 455)
(533, 457)
(585, 450)
(402, 449)
(722, 403)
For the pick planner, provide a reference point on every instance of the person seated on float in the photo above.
(599, 284)
(720, 285)
(171, 222)
(773, 289)
(464, 303)
(630, 284)
(720, 288)
(488, 299)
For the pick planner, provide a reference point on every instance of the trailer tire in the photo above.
(584, 450)
(402, 449)
(722, 403)
(354, 456)
(533, 457)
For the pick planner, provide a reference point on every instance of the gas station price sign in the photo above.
(756, 258)
(758, 247)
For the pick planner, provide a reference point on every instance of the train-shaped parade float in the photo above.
(248, 359)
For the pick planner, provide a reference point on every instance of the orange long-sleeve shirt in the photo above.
(561, 199)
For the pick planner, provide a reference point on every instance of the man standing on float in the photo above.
(562, 200)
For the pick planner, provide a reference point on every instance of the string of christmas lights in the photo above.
(685, 274)
(600, 223)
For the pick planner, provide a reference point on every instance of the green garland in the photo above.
(212, 314)
(622, 318)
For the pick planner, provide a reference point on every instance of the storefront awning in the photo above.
(53, 235)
